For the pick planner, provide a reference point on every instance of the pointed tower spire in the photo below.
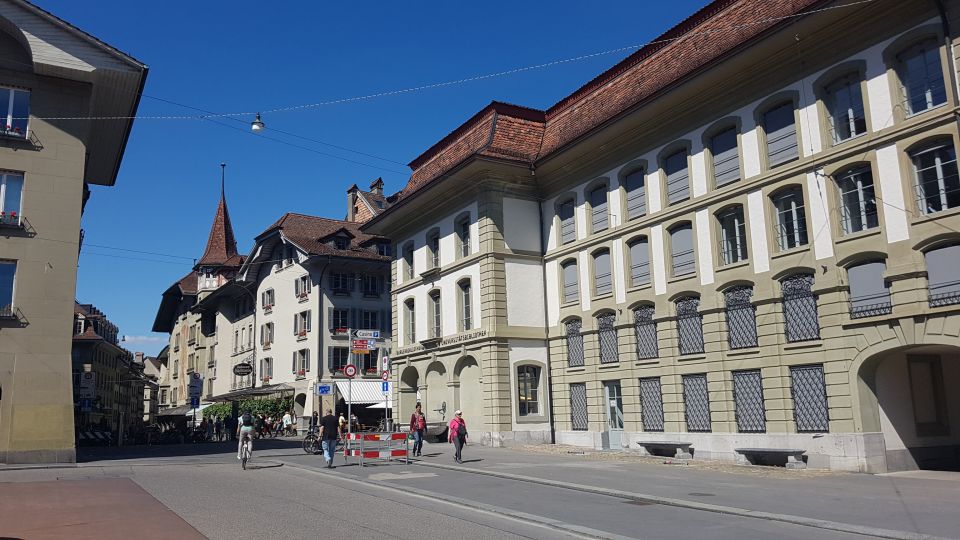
(221, 245)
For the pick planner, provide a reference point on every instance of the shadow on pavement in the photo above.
(93, 454)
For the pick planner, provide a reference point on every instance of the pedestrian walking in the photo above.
(286, 422)
(208, 430)
(418, 428)
(218, 428)
(329, 435)
(457, 434)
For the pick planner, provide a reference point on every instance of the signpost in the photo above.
(350, 371)
(196, 388)
(323, 389)
(88, 385)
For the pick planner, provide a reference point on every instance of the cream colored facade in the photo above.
(62, 72)
(847, 344)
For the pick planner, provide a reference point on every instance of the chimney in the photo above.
(351, 202)
(376, 187)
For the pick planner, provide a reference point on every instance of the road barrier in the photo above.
(384, 445)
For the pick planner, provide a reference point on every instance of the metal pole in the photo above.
(350, 388)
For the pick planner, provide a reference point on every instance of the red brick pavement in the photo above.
(79, 509)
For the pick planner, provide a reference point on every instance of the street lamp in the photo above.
(257, 125)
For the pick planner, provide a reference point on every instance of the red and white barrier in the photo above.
(387, 445)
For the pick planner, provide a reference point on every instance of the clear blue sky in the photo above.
(246, 55)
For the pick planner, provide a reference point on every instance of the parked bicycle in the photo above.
(311, 442)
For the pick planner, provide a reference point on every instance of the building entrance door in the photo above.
(614, 405)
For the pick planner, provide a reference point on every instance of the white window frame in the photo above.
(302, 323)
(732, 226)
(8, 117)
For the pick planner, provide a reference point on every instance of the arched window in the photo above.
(408, 260)
(741, 317)
(844, 103)
(943, 285)
(791, 220)
(568, 224)
(935, 171)
(528, 390)
(463, 235)
(602, 282)
(921, 77)
(410, 315)
(598, 207)
(639, 261)
(681, 250)
(869, 292)
(607, 334)
(678, 177)
(726, 158)
(779, 126)
(689, 325)
(433, 248)
(571, 290)
(436, 316)
(574, 343)
(645, 331)
(800, 316)
(635, 186)
(733, 234)
(466, 305)
(858, 204)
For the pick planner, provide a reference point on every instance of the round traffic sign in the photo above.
(350, 371)
(385, 375)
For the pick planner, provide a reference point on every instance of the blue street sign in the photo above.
(385, 387)
(195, 402)
(86, 405)
(324, 389)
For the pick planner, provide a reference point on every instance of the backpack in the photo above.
(247, 419)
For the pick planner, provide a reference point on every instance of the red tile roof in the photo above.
(221, 245)
(309, 233)
(526, 135)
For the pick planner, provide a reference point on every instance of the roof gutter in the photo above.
(133, 113)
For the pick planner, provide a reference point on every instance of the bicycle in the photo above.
(245, 452)
(311, 444)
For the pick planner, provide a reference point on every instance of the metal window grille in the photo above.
(748, 397)
(578, 407)
(741, 318)
(608, 338)
(801, 320)
(696, 403)
(810, 411)
(574, 343)
(651, 404)
(689, 325)
(646, 332)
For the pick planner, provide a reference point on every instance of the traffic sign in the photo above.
(350, 371)
(385, 387)
(323, 390)
(194, 402)
(366, 334)
(88, 385)
(363, 344)
(385, 375)
(86, 405)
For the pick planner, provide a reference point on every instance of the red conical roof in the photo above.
(221, 245)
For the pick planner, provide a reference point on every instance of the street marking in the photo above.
(400, 476)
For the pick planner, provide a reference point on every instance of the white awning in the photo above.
(363, 393)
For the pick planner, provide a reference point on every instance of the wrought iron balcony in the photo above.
(859, 310)
(10, 312)
(944, 294)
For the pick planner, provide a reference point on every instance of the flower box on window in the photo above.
(9, 219)
(266, 378)
(302, 334)
(266, 345)
(268, 308)
(301, 373)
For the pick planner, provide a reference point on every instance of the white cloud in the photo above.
(144, 339)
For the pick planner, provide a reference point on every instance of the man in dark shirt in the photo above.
(329, 435)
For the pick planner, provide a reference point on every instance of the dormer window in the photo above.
(341, 243)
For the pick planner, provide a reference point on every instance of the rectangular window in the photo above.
(779, 125)
(408, 260)
(574, 343)
(267, 299)
(929, 399)
(607, 334)
(466, 307)
(733, 235)
(368, 361)
(341, 319)
(869, 292)
(681, 250)
(15, 107)
(339, 358)
(748, 398)
(301, 287)
(601, 273)
(266, 369)
(301, 362)
(11, 197)
(635, 184)
(678, 177)
(858, 204)
(433, 243)
(301, 323)
(689, 325)
(696, 403)
(791, 219)
(800, 317)
(369, 320)
(938, 185)
(410, 316)
(8, 272)
(528, 390)
(921, 77)
(844, 103)
(463, 230)
(741, 317)
(726, 158)
(266, 335)
(809, 390)
(578, 407)
(942, 284)
(645, 330)
(371, 286)
(568, 225)
(340, 282)
(571, 289)
(598, 204)
(639, 262)
(436, 316)
(651, 404)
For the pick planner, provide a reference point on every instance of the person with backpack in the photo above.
(457, 434)
(418, 428)
(245, 428)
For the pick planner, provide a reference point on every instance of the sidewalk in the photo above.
(80, 509)
(897, 502)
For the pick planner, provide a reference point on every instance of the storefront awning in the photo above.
(266, 391)
(363, 392)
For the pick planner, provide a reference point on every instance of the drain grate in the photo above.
(638, 503)
(695, 494)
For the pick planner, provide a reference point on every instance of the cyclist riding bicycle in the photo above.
(245, 430)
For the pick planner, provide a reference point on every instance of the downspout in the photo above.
(948, 44)
(543, 270)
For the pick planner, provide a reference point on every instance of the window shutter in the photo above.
(639, 262)
(601, 269)
(598, 202)
(568, 227)
(294, 365)
(309, 320)
(726, 160)
(678, 177)
(636, 194)
(570, 291)
(944, 288)
(781, 131)
(296, 324)
(306, 359)
(330, 323)
(681, 244)
(330, 359)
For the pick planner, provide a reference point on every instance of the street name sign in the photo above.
(194, 402)
(366, 334)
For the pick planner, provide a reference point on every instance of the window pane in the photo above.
(726, 160)
(601, 268)
(645, 329)
(922, 77)
(845, 107)
(696, 403)
(12, 187)
(781, 131)
(7, 271)
(869, 293)
(578, 407)
(733, 235)
(598, 202)
(801, 319)
(651, 404)
(748, 398)
(791, 220)
(639, 262)
(689, 325)
(21, 111)
(681, 245)
(574, 343)
(570, 287)
(678, 178)
(810, 411)
(608, 338)
(938, 186)
(858, 211)
(741, 317)
(636, 194)
(942, 282)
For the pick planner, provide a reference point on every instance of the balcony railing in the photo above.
(11, 220)
(10, 312)
(861, 310)
(944, 294)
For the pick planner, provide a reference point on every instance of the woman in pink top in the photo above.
(457, 434)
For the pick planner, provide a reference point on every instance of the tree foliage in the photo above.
(268, 407)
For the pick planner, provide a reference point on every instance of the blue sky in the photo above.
(239, 56)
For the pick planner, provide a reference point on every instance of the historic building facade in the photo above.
(740, 236)
(50, 72)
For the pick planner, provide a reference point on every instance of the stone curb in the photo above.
(467, 504)
(693, 505)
